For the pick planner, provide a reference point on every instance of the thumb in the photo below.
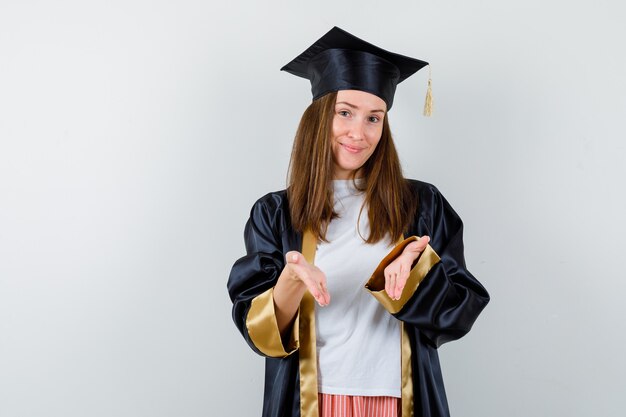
(293, 257)
(421, 243)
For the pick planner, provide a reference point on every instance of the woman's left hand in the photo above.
(397, 272)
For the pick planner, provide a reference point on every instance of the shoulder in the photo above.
(272, 210)
(421, 186)
(431, 203)
(272, 201)
(424, 190)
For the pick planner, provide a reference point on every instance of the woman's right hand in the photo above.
(297, 277)
(308, 275)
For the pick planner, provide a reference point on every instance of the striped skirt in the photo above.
(331, 405)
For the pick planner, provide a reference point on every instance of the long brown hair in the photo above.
(388, 197)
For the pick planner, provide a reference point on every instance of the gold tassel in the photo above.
(428, 104)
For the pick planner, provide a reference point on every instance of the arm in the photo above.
(265, 290)
(441, 297)
(252, 280)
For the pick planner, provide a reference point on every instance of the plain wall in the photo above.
(136, 135)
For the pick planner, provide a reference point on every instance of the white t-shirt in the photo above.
(358, 341)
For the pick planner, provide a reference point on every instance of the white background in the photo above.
(136, 135)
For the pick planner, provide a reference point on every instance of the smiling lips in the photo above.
(350, 148)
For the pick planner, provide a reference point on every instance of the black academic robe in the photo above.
(440, 302)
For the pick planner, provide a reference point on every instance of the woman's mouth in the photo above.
(351, 149)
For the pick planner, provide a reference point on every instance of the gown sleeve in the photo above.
(252, 280)
(442, 299)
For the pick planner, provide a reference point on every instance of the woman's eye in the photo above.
(374, 119)
(344, 113)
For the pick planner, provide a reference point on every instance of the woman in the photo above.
(336, 236)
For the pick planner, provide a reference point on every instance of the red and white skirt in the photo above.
(331, 405)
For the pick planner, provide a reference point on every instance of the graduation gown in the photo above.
(439, 303)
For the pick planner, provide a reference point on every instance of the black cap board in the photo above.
(341, 61)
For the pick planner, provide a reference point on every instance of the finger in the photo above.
(400, 284)
(396, 293)
(324, 294)
(421, 243)
(292, 256)
(417, 246)
(413, 246)
(320, 279)
(323, 297)
(405, 272)
(315, 283)
(386, 275)
(391, 287)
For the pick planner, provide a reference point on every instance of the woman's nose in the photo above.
(356, 130)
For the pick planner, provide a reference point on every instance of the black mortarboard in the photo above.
(341, 61)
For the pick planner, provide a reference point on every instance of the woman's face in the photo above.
(357, 128)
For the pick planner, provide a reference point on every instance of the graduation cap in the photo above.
(341, 61)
